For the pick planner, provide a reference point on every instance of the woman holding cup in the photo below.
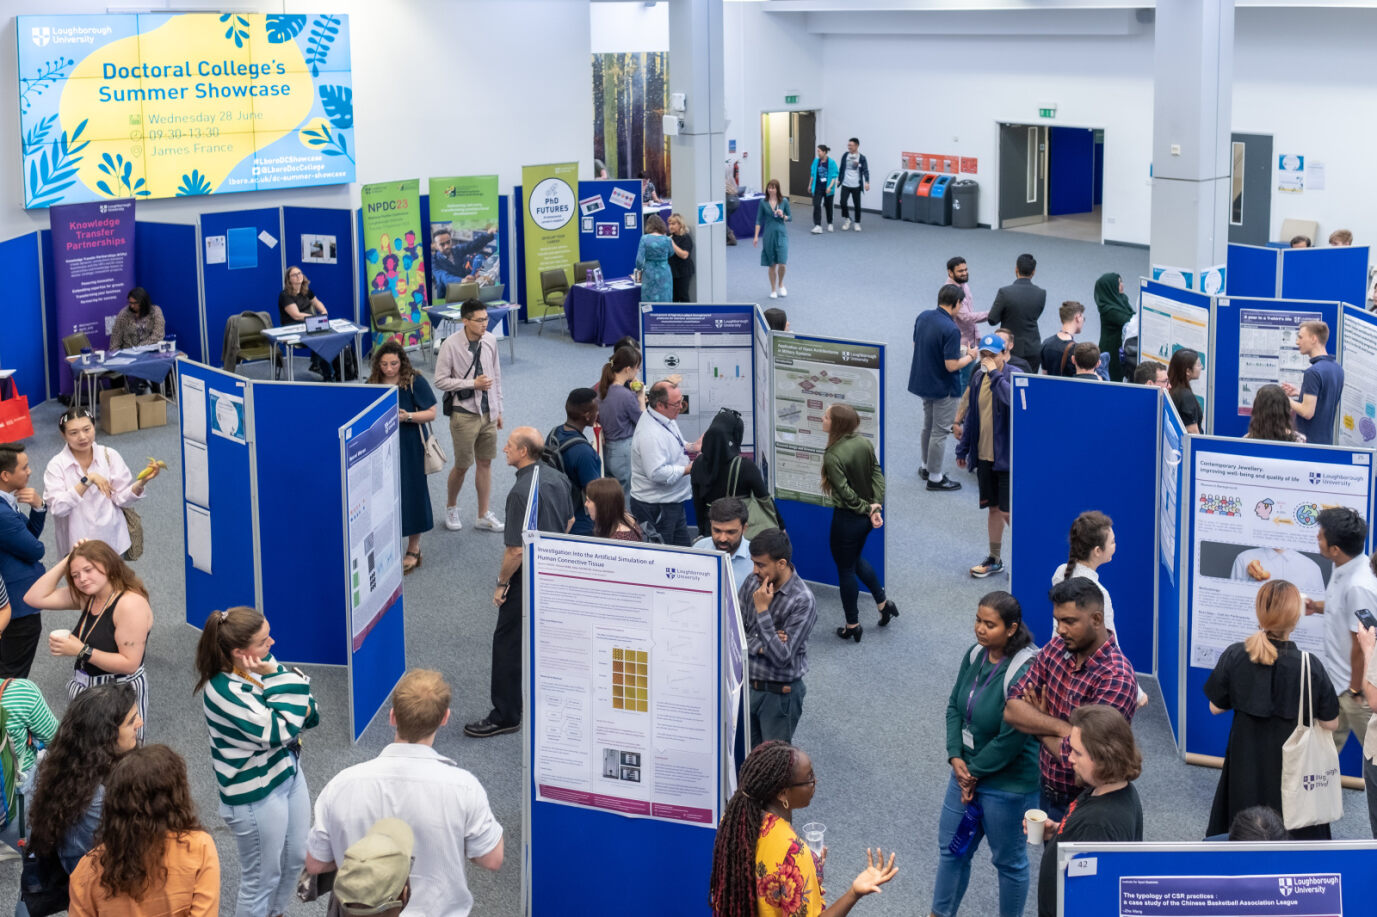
(994, 767)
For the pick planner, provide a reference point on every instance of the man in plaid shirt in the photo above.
(1080, 665)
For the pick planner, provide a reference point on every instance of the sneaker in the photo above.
(485, 728)
(774, 295)
(944, 484)
(831, 228)
(452, 520)
(858, 226)
(846, 224)
(987, 567)
(923, 473)
(489, 523)
(817, 230)
(782, 291)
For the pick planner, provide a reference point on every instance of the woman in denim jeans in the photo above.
(992, 764)
(256, 710)
(619, 408)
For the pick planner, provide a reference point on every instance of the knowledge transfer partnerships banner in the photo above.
(551, 234)
(154, 105)
(93, 269)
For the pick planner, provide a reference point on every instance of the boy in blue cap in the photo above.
(985, 443)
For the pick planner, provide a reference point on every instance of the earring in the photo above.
(785, 803)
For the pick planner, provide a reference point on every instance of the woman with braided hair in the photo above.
(760, 867)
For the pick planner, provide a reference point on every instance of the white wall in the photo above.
(629, 27)
(493, 86)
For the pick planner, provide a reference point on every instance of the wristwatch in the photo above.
(85, 655)
(85, 479)
(1355, 692)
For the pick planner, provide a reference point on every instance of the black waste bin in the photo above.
(893, 189)
(913, 206)
(965, 204)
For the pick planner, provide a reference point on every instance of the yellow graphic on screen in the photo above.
(181, 97)
(630, 680)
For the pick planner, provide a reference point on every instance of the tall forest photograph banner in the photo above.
(630, 96)
(156, 105)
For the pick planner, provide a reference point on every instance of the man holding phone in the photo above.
(1352, 589)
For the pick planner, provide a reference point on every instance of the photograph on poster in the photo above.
(1166, 326)
(319, 249)
(1256, 520)
(1267, 352)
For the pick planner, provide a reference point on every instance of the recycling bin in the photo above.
(893, 193)
(912, 203)
(965, 204)
(923, 210)
(939, 201)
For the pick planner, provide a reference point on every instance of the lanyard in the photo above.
(976, 692)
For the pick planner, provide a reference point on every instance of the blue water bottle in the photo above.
(965, 832)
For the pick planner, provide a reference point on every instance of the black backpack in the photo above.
(554, 457)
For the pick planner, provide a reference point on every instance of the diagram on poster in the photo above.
(1166, 326)
(712, 351)
(1256, 520)
(1267, 352)
(625, 711)
(809, 375)
(373, 494)
(1358, 355)
(1295, 894)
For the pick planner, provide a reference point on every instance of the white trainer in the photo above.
(452, 520)
(782, 291)
(489, 523)
(858, 227)
(846, 224)
(817, 230)
(831, 228)
(774, 295)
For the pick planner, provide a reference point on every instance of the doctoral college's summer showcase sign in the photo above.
(173, 104)
(551, 233)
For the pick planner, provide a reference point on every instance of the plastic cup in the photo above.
(813, 834)
(61, 633)
(1037, 825)
(100, 356)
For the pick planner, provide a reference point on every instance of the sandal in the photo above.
(405, 568)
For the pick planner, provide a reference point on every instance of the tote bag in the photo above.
(435, 458)
(1311, 793)
(761, 512)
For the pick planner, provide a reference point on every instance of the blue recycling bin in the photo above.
(939, 201)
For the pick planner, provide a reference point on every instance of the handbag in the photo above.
(435, 458)
(761, 512)
(1311, 793)
(134, 522)
(15, 422)
(43, 884)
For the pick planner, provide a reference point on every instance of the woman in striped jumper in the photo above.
(256, 710)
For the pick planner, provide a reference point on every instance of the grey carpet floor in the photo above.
(874, 719)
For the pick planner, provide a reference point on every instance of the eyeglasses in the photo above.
(477, 318)
(811, 781)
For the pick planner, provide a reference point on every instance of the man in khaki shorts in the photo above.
(468, 372)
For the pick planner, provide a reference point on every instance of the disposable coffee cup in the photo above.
(1037, 825)
(100, 356)
(61, 633)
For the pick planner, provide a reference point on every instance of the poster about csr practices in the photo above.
(175, 104)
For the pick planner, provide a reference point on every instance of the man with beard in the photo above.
(727, 518)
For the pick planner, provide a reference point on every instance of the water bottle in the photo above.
(965, 832)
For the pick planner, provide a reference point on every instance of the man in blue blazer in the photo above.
(21, 559)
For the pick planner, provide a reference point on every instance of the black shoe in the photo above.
(923, 473)
(944, 484)
(851, 633)
(486, 727)
(889, 611)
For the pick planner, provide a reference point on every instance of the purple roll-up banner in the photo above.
(93, 269)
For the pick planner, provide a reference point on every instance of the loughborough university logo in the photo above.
(41, 35)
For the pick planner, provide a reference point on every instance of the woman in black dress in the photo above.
(1259, 680)
(681, 262)
(415, 406)
(1185, 366)
(712, 472)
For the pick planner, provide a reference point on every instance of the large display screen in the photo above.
(172, 104)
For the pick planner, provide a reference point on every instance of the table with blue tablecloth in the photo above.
(445, 319)
(324, 344)
(742, 220)
(150, 363)
(604, 316)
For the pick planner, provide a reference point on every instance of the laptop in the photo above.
(491, 293)
(317, 323)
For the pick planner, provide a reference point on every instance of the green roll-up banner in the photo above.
(394, 251)
(551, 233)
(464, 246)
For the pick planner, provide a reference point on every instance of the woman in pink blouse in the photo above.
(87, 487)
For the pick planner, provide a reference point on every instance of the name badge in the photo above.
(81, 678)
(967, 738)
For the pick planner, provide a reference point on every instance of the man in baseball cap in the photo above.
(984, 443)
(374, 879)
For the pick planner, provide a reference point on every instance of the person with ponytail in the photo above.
(256, 710)
(619, 409)
(760, 865)
(1260, 681)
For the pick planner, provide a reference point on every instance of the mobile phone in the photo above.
(1367, 618)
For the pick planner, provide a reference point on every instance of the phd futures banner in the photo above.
(551, 235)
(174, 104)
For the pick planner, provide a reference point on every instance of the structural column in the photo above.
(1193, 62)
(697, 153)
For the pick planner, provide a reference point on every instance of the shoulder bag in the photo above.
(133, 521)
(1311, 793)
(434, 453)
(761, 512)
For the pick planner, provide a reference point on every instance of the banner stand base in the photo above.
(1349, 783)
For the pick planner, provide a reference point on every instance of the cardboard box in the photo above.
(152, 411)
(119, 411)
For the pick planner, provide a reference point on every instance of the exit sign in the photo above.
(1047, 112)
(791, 100)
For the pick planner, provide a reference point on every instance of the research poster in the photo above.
(464, 243)
(156, 105)
(373, 493)
(1166, 326)
(93, 268)
(1267, 352)
(809, 375)
(1358, 356)
(550, 232)
(1256, 520)
(394, 253)
(626, 711)
(1292, 894)
(712, 350)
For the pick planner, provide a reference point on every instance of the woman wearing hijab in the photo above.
(711, 473)
(1115, 311)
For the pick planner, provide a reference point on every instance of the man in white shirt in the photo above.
(468, 371)
(727, 517)
(660, 465)
(1352, 586)
(1257, 565)
(444, 804)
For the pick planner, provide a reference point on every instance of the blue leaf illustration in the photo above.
(282, 28)
(104, 187)
(46, 76)
(193, 184)
(339, 105)
(39, 132)
(323, 33)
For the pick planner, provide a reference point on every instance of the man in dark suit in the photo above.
(1018, 307)
(21, 555)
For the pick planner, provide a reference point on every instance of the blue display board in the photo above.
(1357, 423)
(56, 368)
(1127, 416)
(369, 450)
(313, 237)
(1336, 273)
(165, 265)
(1253, 270)
(229, 291)
(21, 346)
(233, 577)
(1310, 879)
(610, 224)
(1172, 508)
(1236, 369)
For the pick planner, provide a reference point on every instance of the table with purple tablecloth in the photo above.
(742, 220)
(603, 316)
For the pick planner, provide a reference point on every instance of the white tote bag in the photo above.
(1311, 793)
